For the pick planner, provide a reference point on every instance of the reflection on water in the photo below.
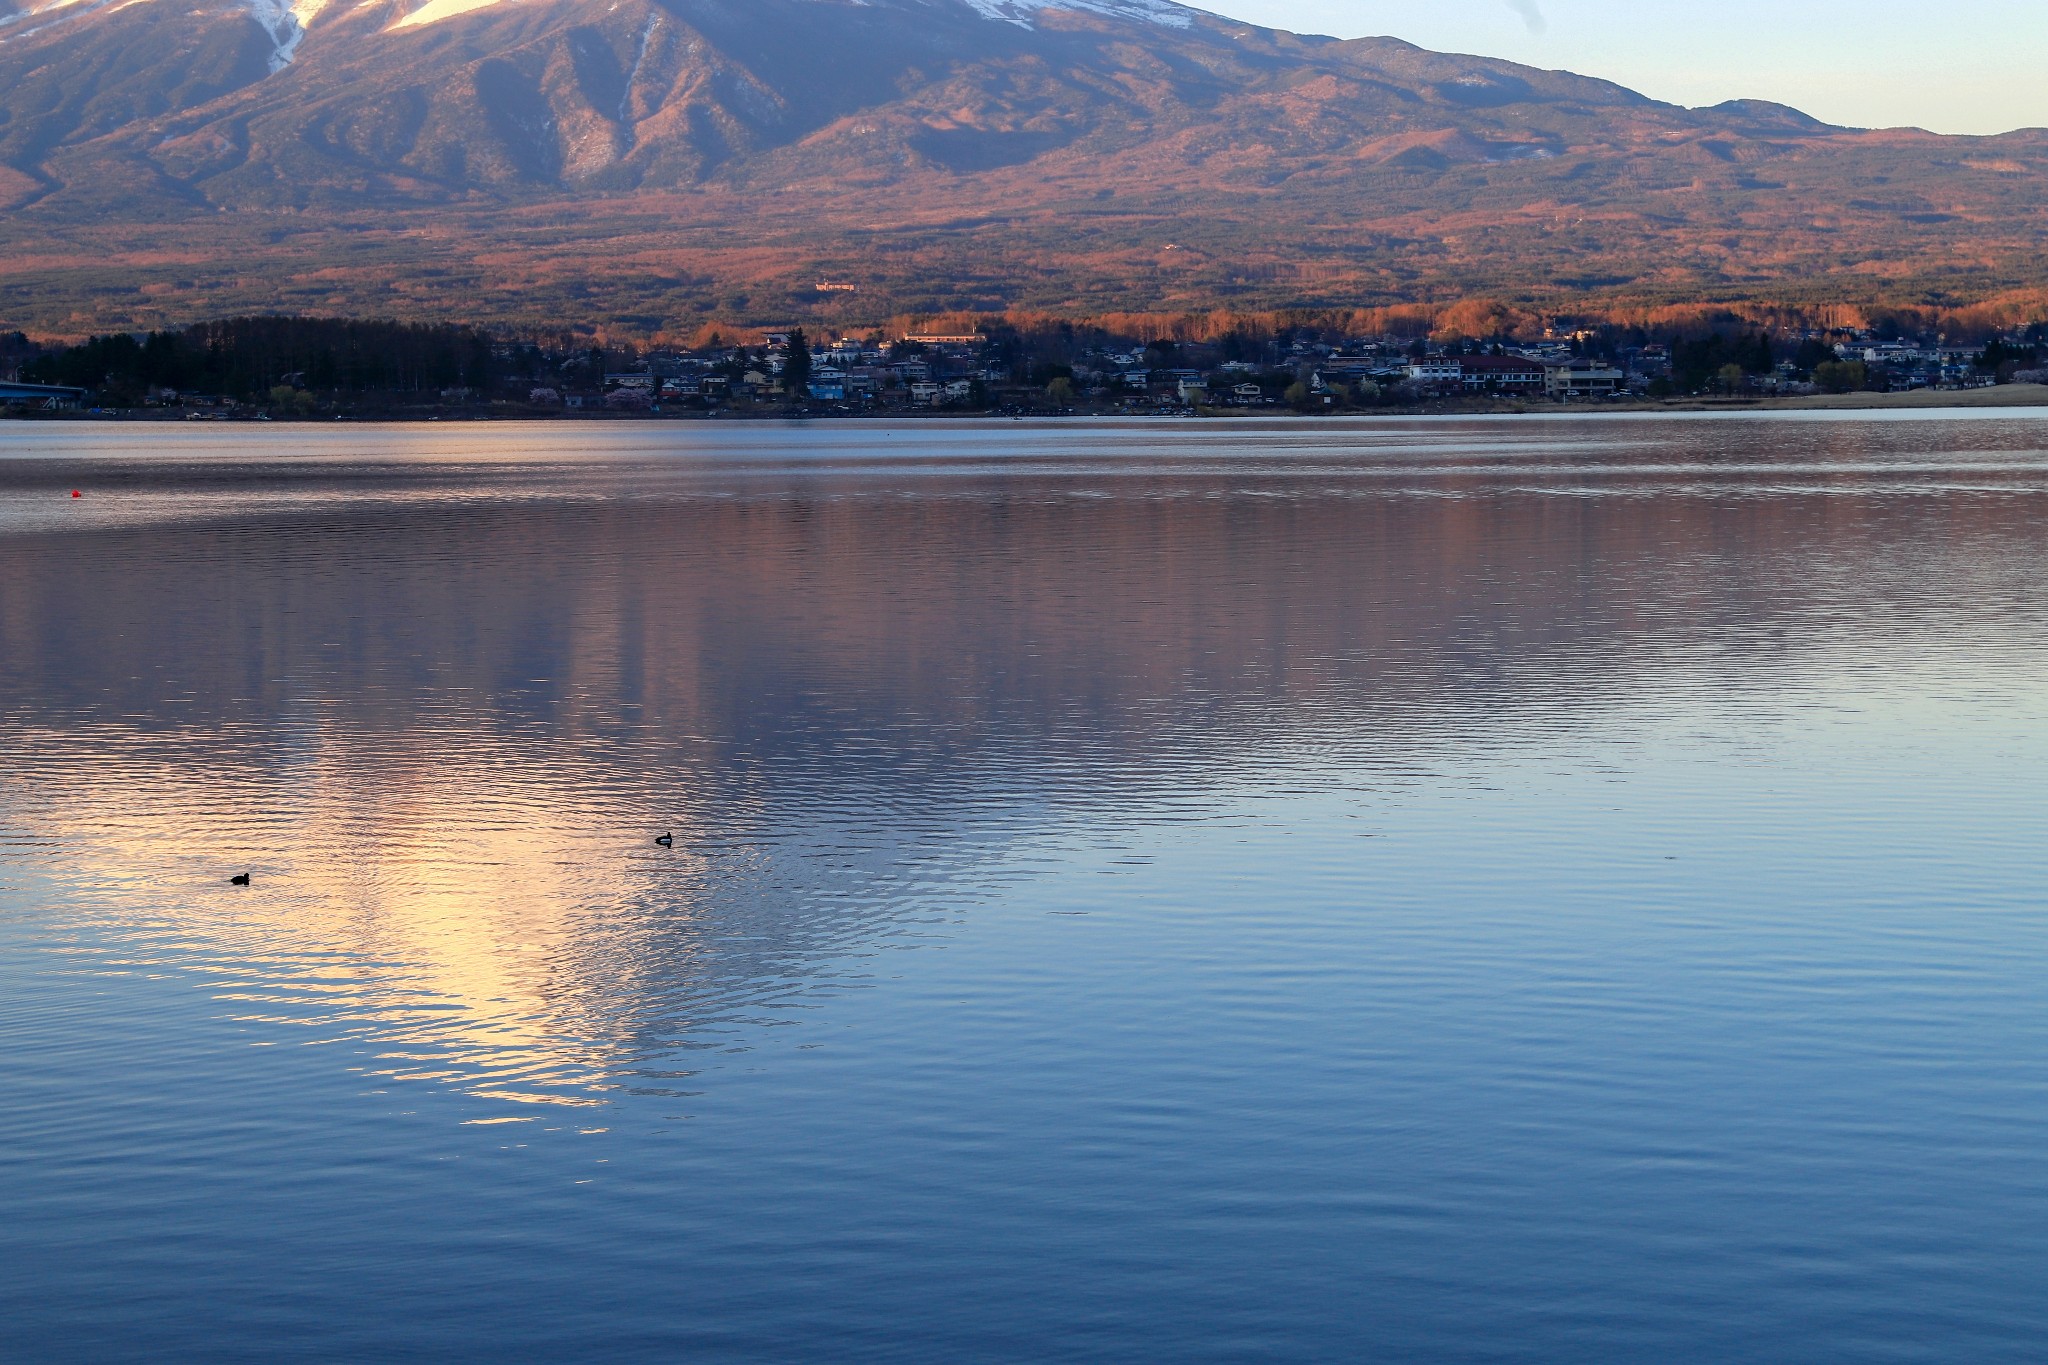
(439, 689)
(442, 712)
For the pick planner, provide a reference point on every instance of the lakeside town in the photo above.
(303, 368)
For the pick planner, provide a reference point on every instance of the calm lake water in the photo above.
(1445, 891)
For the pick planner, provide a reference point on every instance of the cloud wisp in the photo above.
(1531, 14)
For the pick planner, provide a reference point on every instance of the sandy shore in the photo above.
(2004, 396)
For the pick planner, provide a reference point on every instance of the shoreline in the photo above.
(2004, 396)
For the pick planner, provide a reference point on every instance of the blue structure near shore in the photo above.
(40, 395)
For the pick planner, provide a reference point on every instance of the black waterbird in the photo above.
(666, 840)
(242, 880)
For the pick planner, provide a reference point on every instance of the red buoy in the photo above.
(76, 494)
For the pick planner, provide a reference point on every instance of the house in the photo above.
(1582, 379)
(1246, 395)
(1192, 391)
(636, 380)
(959, 390)
(714, 386)
(1441, 374)
(925, 392)
(1501, 374)
(1348, 369)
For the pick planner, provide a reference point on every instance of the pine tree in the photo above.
(796, 371)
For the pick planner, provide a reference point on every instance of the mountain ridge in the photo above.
(650, 161)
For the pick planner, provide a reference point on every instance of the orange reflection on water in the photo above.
(449, 907)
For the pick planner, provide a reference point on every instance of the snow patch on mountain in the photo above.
(434, 11)
(280, 19)
(285, 21)
(52, 11)
(1019, 12)
(37, 11)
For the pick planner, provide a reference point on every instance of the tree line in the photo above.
(252, 357)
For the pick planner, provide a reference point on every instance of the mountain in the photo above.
(654, 162)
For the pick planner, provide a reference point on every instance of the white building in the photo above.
(1437, 374)
(1582, 379)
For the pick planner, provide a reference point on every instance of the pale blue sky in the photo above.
(1961, 66)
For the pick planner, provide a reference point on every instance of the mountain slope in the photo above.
(655, 160)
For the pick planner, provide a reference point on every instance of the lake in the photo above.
(1461, 890)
